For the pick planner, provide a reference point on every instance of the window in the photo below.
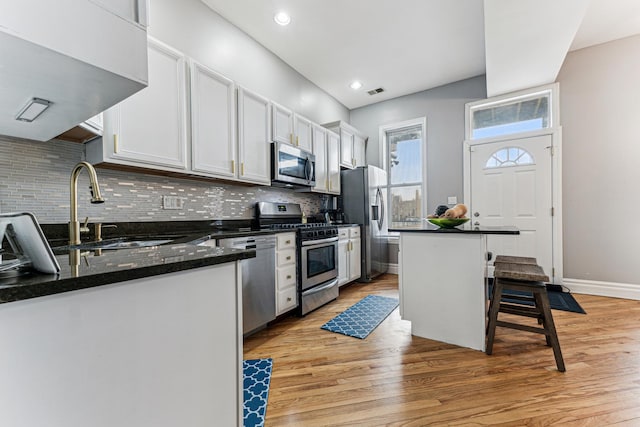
(511, 114)
(510, 156)
(404, 158)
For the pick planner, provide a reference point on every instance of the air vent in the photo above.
(375, 91)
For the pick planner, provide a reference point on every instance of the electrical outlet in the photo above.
(172, 202)
(452, 200)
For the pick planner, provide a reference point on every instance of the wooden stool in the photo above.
(529, 278)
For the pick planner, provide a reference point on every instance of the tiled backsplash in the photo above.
(34, 177)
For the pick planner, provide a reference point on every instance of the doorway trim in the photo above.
(556, 186)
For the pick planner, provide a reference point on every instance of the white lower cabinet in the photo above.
(349, 254)
(286, 267)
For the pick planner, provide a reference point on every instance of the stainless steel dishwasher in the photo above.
(258, 280)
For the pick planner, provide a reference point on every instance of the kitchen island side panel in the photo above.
(161, 351)
(442, 285)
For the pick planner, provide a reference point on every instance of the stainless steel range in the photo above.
(317, 253)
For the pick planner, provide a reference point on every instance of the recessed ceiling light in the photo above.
(282, 18)
(355, 85)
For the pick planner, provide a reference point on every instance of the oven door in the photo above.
(292, 165)
(318, 262)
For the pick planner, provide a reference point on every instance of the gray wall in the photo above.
(34, 177)
(444, 109)
(193, 28)
(599, 91)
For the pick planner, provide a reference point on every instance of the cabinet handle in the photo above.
(289, 257)
(297, 141)
(288, 299)
(288, 242)
(288, 276)
(242, 168)
(353, 162)
(115, 142)
(349, 246)
(233, 166)
(291, 138)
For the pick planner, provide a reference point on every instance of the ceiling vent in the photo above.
(375, 91)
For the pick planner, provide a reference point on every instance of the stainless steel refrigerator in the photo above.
(364, 198)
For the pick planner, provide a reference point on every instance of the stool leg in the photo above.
(493, 315)
(550, 327)
(537, 296)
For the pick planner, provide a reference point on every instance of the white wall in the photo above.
(599, 93)
(193, 28)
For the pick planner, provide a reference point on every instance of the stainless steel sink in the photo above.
(120, 243)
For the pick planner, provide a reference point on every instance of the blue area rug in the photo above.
(363, 317)
(256, 377)
(557, 300)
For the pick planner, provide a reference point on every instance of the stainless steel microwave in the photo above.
(292, 166)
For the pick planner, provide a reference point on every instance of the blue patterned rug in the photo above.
(256, 376)
(363, 317)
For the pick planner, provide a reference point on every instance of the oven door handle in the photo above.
(320, 288)
(319, 242)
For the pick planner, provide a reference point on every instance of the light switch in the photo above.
(452, 200)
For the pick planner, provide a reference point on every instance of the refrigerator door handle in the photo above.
(375, 210)
(380, 204)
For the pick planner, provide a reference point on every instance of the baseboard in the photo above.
(393, 269)
(605, 289)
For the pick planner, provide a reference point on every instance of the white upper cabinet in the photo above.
(333, 162)
(282, 124)
(346, 149)
(359, 146)
(149, 129)
(303, 128)
(352, 144)
(75, 54)
(320, 151)
(253, 137)
(213, 122)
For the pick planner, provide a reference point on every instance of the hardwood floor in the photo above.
(392, 378)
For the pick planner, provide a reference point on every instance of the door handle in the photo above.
(476, 223)
(476, 214)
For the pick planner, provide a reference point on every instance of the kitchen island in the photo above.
(133, 337)
(442, 282)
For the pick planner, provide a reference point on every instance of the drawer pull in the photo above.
(289, 257)
(288, 276)
(288, 299)
(288, 242)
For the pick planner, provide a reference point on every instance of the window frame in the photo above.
(552, 90)
(384, 160)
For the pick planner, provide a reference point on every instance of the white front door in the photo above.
(511, 185)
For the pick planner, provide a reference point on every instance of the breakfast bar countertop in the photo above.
(107, 267)
(465, 228)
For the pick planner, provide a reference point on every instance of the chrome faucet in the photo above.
(96, 197)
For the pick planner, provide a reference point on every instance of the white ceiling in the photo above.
(406, 46)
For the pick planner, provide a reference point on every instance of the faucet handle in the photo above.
(85, 227)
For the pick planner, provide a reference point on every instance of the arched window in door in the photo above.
(509, 156)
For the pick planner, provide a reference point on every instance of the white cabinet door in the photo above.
(320, 151)
(333, 162)
(150, 127)
(253, 137)
(343, 262)
(282, 124)
(213, 122)
(359, 150)
(346, 149)
(354, 259)
(303, 132)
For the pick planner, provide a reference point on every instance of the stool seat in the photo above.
(516, 259)
(529, 278)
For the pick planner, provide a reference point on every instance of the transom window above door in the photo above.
(512, 114)
(510, 156)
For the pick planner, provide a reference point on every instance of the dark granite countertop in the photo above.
(102, 267)
(98, 268)
(466, 228)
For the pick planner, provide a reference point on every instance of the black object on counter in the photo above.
(441, 209)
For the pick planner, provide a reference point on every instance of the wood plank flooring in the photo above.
(395, 379)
